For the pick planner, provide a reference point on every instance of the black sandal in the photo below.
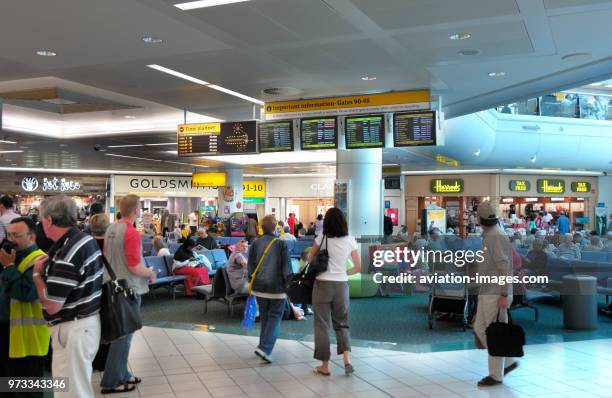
(126, 388)
(136, 380)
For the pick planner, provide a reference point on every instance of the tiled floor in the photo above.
(182, 364)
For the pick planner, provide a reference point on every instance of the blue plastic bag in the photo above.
(250, 313)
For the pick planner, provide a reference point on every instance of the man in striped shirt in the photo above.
(69, 284)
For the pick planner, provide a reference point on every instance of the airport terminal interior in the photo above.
(419, 120)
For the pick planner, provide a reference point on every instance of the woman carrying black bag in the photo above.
(330, 296)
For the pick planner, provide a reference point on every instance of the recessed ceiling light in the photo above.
(124, 146)
(162, 144)
(497, 74)
(152, 40)
(576, 56)
(460, 36)
(16, 151)
(46, 53)
(596, 84)
(7, 142)
(368, 78)
(469, 52)
(130, 117)
(608, 85)
(192, 5)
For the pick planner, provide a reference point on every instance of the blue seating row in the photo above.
(601, 257)
(165, 278)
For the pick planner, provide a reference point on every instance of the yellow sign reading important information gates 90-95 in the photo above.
(384, 102)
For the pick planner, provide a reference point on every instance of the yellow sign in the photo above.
(581, 186)
(353, 101)
(551, 186)
(199, 128)
(446, 160)
(208, 179)
(446, 185)
(436, 215)
(254, 189)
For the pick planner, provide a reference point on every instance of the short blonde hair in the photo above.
(98, 224)
(158, 244)
(128, 204)
(268, 224)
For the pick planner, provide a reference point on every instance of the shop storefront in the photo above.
(517, 196)
(458, 194)
(29, 190)
(158, 193)
(522, 195)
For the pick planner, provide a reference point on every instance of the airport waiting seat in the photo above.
(610, 257)
(600, 257)
(231, 296)
(213, 292)
(298, 247)
(173, 247)
(219, 257)
(164, 275)
(362, 285)
(556, 268)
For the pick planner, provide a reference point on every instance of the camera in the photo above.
(97, 147)
(8, 246)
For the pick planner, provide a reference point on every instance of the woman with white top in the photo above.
(330, 295)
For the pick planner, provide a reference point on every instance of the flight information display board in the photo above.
(414, 128)
(367, 131)
(319, 133)
(276, 136)
(231, 138)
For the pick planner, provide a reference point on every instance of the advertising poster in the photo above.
(394, 215)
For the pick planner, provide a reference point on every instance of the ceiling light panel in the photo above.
(193, 5)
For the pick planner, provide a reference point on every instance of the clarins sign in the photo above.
(159, 186)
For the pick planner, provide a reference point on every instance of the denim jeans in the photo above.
(116, 371)
(270, 316)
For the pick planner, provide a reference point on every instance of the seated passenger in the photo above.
(436, 240)
(311, 229)
(537, 258)
(210, 241)
(160, 247)
(237, 268)
(194, 267)
(595, 246)
(567, 249)
(287, 235)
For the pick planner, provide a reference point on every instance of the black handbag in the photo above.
(119, 312)
(321, 260)
(300, 287)
(505, 339)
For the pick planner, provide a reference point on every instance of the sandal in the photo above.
(320, 372)
(348, 369)
(127, 387)
(135, 380)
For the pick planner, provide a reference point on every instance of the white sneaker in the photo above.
(265, 357)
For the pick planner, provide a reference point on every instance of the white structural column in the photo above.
(363, 169)
(230, 197)
(605, 195)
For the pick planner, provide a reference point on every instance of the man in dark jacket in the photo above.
(269, 269)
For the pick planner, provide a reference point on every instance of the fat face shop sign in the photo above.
(447, 185)
(49, 184)
(551, 186)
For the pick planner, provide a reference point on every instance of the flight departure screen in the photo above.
(366, 131)
(232, 138)
(414, 128)
(276, 136)
(319, 133)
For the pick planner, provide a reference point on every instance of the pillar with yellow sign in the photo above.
(230, 196)
(362, 171)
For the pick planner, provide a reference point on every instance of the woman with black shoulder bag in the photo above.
(330, 297)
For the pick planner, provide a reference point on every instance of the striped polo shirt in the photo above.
(74, 276)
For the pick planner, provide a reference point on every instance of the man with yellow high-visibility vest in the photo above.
(24, 334)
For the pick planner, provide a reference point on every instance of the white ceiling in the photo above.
(319, 47)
